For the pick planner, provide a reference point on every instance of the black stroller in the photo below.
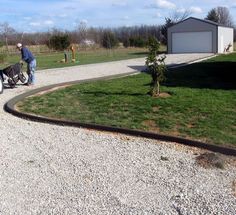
(14, 73)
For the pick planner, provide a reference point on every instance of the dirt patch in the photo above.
(163, 95)
(210, 160)
(51, 90)
(190, 125)
(151, 125)
(175, 132)
(155, 108)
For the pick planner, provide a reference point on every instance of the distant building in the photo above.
(87, 42)
(194, 35)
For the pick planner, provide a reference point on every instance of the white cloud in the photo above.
(181, 10)
(48, 22)
(195, 10)
(67, 14)
(125, 18)
(161, 4)
(119, 3)
(157, 15)
(62, 15)
(165, 4)
(35, 23)
(42, 23)
(84, 21)
(27, 18)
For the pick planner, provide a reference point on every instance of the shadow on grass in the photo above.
(146, 53)
(102, 93)
(212, 75)
(138, 53)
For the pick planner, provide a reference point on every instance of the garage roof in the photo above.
(201, 20)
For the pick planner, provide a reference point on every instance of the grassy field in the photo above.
(202, 105)
(52, 60)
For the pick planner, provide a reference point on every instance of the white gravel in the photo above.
(49, 169)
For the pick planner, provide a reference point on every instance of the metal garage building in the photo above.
(194, 35)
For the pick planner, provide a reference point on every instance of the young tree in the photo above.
(155, 66)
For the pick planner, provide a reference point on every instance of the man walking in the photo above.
(29, 58)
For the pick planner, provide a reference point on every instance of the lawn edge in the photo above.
(10, 108)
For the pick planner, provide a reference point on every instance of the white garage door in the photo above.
(192, 42)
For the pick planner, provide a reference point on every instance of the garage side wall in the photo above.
(192, 25)
(225, 37)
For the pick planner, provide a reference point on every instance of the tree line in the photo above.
(129, 36)
(136, 36)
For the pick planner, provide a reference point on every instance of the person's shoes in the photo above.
(28, 84)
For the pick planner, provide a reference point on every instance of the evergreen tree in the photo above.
(59, 42)
(164, 28)
(212, 15)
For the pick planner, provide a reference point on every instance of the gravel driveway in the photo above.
(49, 169)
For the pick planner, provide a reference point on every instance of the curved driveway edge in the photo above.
(10, 107)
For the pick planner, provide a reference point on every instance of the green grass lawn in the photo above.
(202, 105)
(52, 60)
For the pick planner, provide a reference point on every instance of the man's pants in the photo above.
(31, 67)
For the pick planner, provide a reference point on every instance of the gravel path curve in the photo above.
(49, 169)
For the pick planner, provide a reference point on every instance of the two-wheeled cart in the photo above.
(13, 74)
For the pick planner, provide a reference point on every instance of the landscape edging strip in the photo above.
(10, 107)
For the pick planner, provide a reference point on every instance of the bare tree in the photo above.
(179, 16)
(6, 31)
(224, 16)
(82, 30)
(220, 15)
(174, 18)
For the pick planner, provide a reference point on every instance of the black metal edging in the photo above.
(10, 107)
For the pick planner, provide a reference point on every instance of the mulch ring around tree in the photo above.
(209, 160)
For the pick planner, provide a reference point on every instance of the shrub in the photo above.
(59, 42)
(2, 57)
(126, 43)
(1, 44)
(137, 42)
(109, 40)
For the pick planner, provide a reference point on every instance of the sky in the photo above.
(43, 15)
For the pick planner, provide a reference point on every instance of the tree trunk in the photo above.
(158, 88)
(6, 41)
